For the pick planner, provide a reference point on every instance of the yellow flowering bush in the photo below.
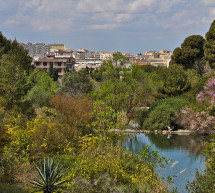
(97, 157)
(39, 136)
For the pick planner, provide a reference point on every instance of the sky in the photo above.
(128, 26)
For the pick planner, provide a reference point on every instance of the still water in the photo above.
(187, 150)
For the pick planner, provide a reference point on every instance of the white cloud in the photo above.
(123, 17)
(90, 6)
(208, 2)
(212, 12)
(138, 5)
(166, 5)
(105, 26)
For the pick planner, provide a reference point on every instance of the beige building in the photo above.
(57, 46)
(106, 55)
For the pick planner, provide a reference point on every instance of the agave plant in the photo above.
(49, 178)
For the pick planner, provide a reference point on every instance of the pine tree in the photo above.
(209, 47)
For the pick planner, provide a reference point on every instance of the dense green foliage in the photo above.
(159, 119)
(191, 53)
(161, 113)
(175, 82)
(76, 84)
(123, 88)
(44, 87)
(14, 75)
(209, 47)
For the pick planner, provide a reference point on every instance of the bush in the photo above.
(5, 188)
(198, 122)
(160, 118)
(101, 165)
(175, 103)
(104, 184)
(76, 84)
(72, 109)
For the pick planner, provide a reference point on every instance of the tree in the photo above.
(191, 53)
(4, 45)
(122, 88)
(43, 88)
(209, 47)
(51, 69)
(53, 72)
(15, 68)
(76, 84)
(175, 82)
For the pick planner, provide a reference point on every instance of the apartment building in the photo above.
(92, 64)
(57, 46)
(83, 54)
(155, 58)
(40, 50)
(60, 59)
(106, 55)
(36, 50)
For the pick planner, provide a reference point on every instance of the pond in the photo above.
(185, 150)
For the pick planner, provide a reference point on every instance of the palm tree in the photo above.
(49, 178)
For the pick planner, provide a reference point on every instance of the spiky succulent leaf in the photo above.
(48, 177)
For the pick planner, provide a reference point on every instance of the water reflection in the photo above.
(192, 144)
(185, 149)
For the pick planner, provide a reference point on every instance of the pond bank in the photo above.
(179, 132)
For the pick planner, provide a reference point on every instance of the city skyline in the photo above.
(97, 25)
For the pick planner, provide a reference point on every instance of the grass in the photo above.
(6, 188)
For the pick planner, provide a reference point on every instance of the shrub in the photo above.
(8, 188)
(161, 113)
(73, 109)
(100, 165)
(76, 84)
(175, 103)
(159, 118)
(198, 122)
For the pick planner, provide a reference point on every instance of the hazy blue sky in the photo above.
(106, 25)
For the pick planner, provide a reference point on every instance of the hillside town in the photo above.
(66, 59)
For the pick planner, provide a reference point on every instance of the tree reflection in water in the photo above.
(192, 144)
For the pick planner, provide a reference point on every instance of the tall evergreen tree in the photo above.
(209, 47)
(191, 53)
(175, 82)
(5, 45)
(15, 67)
